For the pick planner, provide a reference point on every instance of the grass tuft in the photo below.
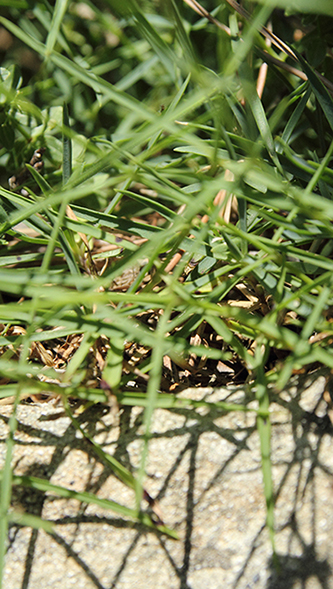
(161, 201)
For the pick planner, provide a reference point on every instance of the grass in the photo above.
(184, 209)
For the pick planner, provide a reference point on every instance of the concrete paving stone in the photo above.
(204, 469)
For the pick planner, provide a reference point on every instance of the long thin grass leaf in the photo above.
(90, 498)
(57, 17)
(323, 96)
(67, 148)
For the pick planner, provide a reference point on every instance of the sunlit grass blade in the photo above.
(57, 17)
(6, 481)
(90, 498)
(31, 521)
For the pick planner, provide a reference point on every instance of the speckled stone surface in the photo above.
(204, 469)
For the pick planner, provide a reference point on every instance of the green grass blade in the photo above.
(292, 122)
(321, 6)
(90, 498)
(264, 431)
(323, 96)
(6, 481)
(57, 18)
(31, 521)
(67, 148)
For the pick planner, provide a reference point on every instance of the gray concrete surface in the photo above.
(204, 470)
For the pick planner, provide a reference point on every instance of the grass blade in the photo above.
(57, 18)
(67, 148)
(323, 96)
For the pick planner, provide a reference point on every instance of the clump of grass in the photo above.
(183, 209)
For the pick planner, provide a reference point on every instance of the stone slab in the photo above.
(204, 469)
